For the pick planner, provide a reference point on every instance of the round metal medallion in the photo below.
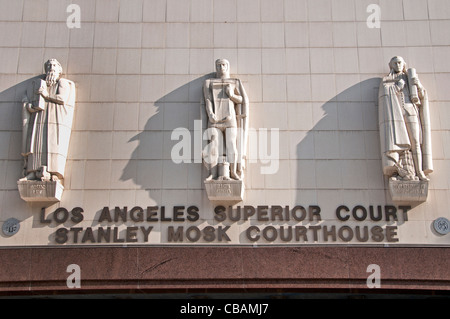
(442, 225)
(11, 227)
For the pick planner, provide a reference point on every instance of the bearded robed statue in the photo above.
(48, 109)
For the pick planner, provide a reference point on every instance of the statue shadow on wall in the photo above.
(11, 123)
(151, 165)
(11, 113)
(343, 168)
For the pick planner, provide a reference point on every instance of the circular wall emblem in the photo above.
(442, 225)
(11, 227)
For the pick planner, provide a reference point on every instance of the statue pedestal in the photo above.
(408, 191)
(40, 191)
(225, 190)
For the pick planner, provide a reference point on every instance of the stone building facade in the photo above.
(134, 213)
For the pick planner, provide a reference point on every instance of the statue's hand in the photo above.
(401, 84)
(29, 107)
(213, 118)
(416, 81)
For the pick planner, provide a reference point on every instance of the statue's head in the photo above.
(397, 64)
(223, 68)
(53, 71)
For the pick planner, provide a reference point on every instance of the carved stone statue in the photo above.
(48, 109)
(227, 110)
(227, 106)
(404, 120)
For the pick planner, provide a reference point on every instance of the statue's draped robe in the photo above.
(394, 136)
(48, 134)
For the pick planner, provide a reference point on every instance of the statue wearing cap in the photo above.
(404, 120)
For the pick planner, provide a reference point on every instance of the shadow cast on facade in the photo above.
(11, 135)
(11, 111)
(339, 159)
(152, 160)
(344, 136)
(340, 164)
